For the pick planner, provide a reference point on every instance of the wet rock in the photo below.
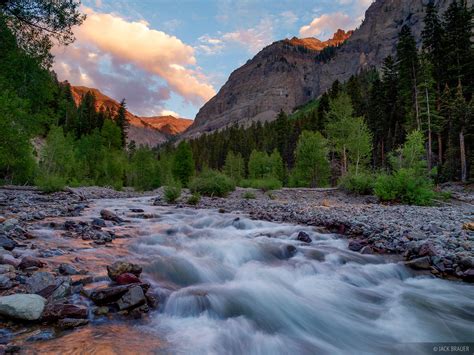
(47, 285)
(70, 323)
(101, 311)
(7, 243)
(29, 261)
(137, 210)
(5, 282)
(423, 263)
(6, 269)
(152, 301)
(56, 311)
(98, 222)
(355, 245)
(110, 216)
(290, 250)
(468, 275)
(22, 306)
(9, 224)
(468, 226)
(127, 278)
(66, 269)
(103, 296)
(9, 259)
(134, 297)
(121, 267)
(467, 262)
(304, 237)
(367, 250)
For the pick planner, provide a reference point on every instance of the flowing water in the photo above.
(231, 285)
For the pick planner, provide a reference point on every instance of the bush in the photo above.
(361, 184)
(248, 195)
(212, 183)
(172, 193)
(194, 199)
(404, 186)
(265, 184)
(50, 183)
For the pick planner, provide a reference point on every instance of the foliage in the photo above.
(263, 166)
(122, 122)
(312, 165)
(405, 187)
(212, 183)
(50, 183)
(194, 199)
(183, 163)
(264, 184)
(172, 192)
(234, 166)
(143, 171)
(248, 195)
(361, 183)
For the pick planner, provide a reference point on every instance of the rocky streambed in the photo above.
(82, 275)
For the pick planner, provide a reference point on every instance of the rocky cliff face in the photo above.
(288, 73)
(149, 131)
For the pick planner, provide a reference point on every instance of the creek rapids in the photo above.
(231, 285)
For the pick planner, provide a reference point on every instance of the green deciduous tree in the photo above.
(183, 163)
(234, 166)
(312, 165)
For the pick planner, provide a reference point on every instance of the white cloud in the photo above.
(325, 25)
(169, 113)
(134, 48)
(288, 18)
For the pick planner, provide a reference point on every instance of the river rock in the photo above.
(70, 323)
(7, 243)
(367, 250)
(355, 245)
(5, 282)
(110, 216)
(6, 269)
(468, 275)
(56, 311)
(127, 278)
(47, 285)
(304, 237)
(98, 222)
(66, 269)
(419, 263)
(121, 267)
(9, 224)
(9, 259)
(29, 261)
(134, 297)
(22, 306)
(106, 295)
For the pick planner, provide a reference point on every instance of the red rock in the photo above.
(29, 261)
(57, 311)
(127, 278)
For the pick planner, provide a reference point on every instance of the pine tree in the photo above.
(87, 115)
(122, 121)
(183, 163)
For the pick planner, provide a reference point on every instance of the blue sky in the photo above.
(172, 56)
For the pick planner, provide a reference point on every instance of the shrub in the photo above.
(212, 183)
(404, 186)
(248, 195)
(265, 184)
(50, 183)
(172, 192)
(194, 199)
(361, 184)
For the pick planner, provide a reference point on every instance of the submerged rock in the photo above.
(22, 306)
(304, 237)
(69, 323)
(355, 245)
(110, 216)
(121, 267)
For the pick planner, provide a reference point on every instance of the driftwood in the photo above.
(19, 188)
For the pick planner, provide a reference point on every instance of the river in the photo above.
(231, 285)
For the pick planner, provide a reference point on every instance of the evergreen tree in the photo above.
(87, 115)
(183, 163)
(122, 122)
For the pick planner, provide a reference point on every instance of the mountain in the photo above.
(291, 72)
(149, 131)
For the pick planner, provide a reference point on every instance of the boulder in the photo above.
(110, 216)
(134, 297)
(9, 259)
(121, 267)
(70, 323)
(56, 311)
(98, 222)
(423, 263)
(127, 278)
(66, 269)
(22, 306)
(29, 261)
(304, 237)
(6, 269)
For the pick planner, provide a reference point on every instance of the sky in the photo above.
(171, 56)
